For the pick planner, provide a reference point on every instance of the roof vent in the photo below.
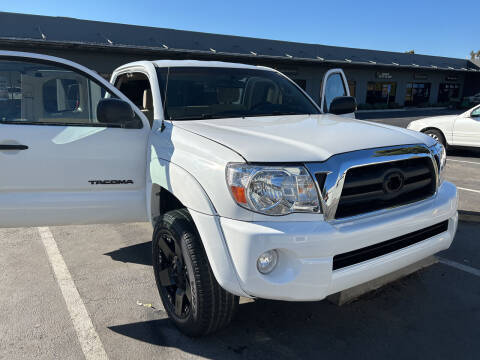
(348, 60)
(165, 46)
(320, 58)
(288, 55)
(394, 63)
(213, 50)
(416, 65)
(372, 62)
(253, 53)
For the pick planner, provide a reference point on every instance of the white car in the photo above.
(252, 189)
(452, 130)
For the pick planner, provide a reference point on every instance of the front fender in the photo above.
(180, 183)
(183, 185)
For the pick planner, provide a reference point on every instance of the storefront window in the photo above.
(352, 87)
(381, 92)
(417, 94)
(448, 92)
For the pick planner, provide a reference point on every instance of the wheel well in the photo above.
(163, 201)
(434, 128)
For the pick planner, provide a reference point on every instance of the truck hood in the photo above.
(300, 138)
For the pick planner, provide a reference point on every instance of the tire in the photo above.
(191, 296)
(437, 135)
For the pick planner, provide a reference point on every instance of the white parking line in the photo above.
(89, 340)
(471, 190)
(459, 266)
(463, 161)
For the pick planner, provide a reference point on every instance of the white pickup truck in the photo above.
(252, 188)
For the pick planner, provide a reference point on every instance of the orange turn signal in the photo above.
(239, 194)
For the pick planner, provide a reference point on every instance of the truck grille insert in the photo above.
(380, 186)
(385, 247)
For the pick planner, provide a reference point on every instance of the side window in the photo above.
(136, 87)
(475, 113)
(334, 87)
(44, 93)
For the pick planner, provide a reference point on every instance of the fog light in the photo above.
(267, 261)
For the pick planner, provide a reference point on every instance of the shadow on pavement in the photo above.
(138, 254)
(432, 314)
(464, 152)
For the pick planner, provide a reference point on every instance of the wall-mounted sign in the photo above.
(451, 78)
(420, 76)
(383, 75)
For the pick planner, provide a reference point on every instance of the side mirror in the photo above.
(115, 112)
(343, 105)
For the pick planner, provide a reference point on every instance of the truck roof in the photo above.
(194, 63)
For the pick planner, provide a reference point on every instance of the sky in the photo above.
(428, 27)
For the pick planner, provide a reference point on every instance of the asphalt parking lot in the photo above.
(432, 314)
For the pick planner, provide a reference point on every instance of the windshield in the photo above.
(208, 93)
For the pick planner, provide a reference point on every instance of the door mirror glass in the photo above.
(115, 112)
(343, 105)
(475, 113)
(334, 87)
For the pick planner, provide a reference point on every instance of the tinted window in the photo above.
(44, 93)
(204, 93)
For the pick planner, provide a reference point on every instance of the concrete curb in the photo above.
(469, 216)
(349, 295)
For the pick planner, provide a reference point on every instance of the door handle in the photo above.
(13, 147)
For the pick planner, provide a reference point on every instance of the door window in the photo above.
(136, 87)
(43, 93)
(334, 87)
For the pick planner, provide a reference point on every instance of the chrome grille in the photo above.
(348, 182)
(380, 186)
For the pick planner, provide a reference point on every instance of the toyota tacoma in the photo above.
(252, 188)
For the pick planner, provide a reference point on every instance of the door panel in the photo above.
(334, 84)
(76, 170)
(466, 130)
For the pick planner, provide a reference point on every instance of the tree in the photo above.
(475, 55)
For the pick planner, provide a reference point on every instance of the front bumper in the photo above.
(304, 271)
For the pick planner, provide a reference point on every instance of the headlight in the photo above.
(440, 155)
(272, 190)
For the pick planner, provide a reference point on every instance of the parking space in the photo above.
(431, 314)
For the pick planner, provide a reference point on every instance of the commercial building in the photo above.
(378, 79)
